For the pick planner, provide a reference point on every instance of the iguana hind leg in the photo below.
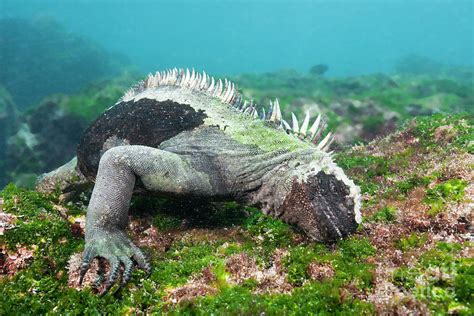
(107, 214)
(67, 178)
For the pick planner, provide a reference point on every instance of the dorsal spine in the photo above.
(227, 92)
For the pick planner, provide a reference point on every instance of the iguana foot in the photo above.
(117, 249)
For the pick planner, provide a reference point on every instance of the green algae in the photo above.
(441, 279)
(405, 186)
(268, 138)
(181, 261)
(93, 100)
(364, 169)
(315, 298)
(348, 261)
(460, 133)
(443, 193)
(42, 286)
(387, 214)
(414, 240)
(40, 228)
(275, 233)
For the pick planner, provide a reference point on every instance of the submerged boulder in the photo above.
(318, 70)
(352, 120)
(46, 136)
(8, 122)
(368, 120)
(39, 57)
(45, 139)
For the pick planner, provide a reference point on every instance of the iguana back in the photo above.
(171, 102)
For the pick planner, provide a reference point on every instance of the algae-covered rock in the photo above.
(420, 65)
(318, 70)
(67, 179)
(8, 125)
(47, 134)
(46, 138)
(39, 57)
(361, 108)
(410, 255)
(8, 116)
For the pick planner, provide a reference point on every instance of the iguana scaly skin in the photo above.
(183, 134)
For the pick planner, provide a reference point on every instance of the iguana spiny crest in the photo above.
(228, 93)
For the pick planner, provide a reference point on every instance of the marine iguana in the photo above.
(185, 134)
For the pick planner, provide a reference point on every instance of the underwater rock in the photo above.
(46, 138)
(8, 124)
(358, 120)
(41, 57)
(57, 132)
(318, 70)
(418, 110)
(414, 64)
(420, 65)
(68, 179)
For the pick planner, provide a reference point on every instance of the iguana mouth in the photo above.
(322, 206)
(332, 205)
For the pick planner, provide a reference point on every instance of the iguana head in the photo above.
(314, 194)
(322, 206)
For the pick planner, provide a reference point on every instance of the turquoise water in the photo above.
(351, 36)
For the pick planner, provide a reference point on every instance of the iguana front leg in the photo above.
(107, 214)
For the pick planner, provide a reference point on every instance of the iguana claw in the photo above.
(117, 250)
